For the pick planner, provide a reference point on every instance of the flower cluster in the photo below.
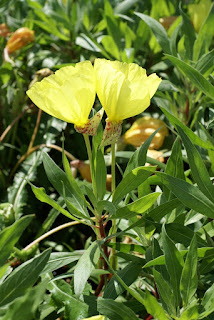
(124, 91)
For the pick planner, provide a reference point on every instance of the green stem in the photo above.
(88, 147)
(113, 186)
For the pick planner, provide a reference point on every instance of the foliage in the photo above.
(146, 250)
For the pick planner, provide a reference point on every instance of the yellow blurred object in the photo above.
(84, 169)
(198, 13)
(4, 30)
(19, 39)
(95, 318)
(154, 154)
(40, 74)
(167, 21)
(142, 129)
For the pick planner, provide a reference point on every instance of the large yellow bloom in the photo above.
(124, 90)
(68, 95)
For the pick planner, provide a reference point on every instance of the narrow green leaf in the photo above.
(84, 267)
(56, 176)
(10, 235)
(196, 77)
(106, 205)
(138, 158)
(188, 194)
(174, 263)
(193, 137)
(154, 308)
(22, 278)
(158, 30)
(43, 197)
(131, 181)
(137, 207)
(205, 65)
(163, 209)
(207, 303)
(125, 247)
(165, 292)
(205, 36)
(100, 174)
(115, 310)
(198, 168)
(189, 277)
(128, 274)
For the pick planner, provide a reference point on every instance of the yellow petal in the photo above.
(95, 318)
(124, 89)
(69, 94)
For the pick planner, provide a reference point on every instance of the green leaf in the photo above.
(158, 30)
(100, 174)
(137, 207)
(174, 263)
(111, 47)
(190, 312)
(207, 303)
(188, 194)
(153, 307)
(163, 209)
(106, 205)
(193, 137)
(115, 310)
(56, 176)
(205, 65)
(165, 292)
(22, 278)
(138, 158)
(205, 36)
(189, 277)
(25, 307)
(132, 180)
(128, 274)
(198, 168)
(125, 247)
(174, 166)
(43, 197)
(84, 267)
(10, 235)
(189, 32)
(196, 77)
(60, 259)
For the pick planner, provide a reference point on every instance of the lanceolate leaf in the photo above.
(198, 169)
(174, 263)
(84, 267)
(193, 137)
(207, 303)
(22, 278)
(131, 181)
(189, 277)
(158, 30)
(154, 308)
(115, 310)
(196, 77)
(10, 235)
(189, 195)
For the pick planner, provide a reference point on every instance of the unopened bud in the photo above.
(4, 31)
(19, 39)
(142, 129)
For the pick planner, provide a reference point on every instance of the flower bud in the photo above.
(142, 129)
(4, 31)
(19, 39)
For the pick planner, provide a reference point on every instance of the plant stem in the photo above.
(35, 130)
(88, 147)
(113, 186)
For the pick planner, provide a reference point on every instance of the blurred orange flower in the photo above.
(20, 38)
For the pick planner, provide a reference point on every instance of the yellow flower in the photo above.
(68, 95)
(95, 318)
(198, 13)
(124, 90)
